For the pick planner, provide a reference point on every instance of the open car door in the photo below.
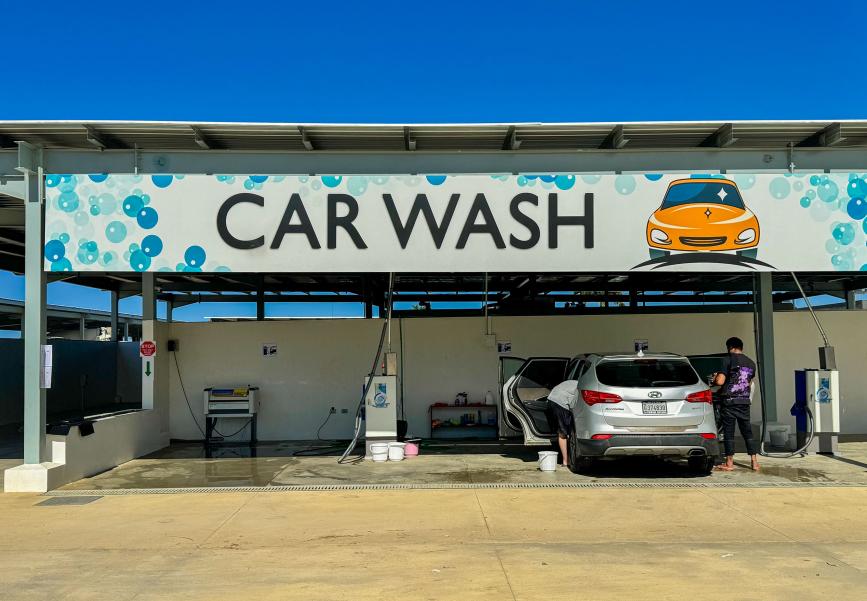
(509, 366)
(525, 396)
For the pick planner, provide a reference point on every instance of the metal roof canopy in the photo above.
(303, 148)
(507, 293)
(304, 137)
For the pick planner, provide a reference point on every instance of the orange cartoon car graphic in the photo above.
(702, 214)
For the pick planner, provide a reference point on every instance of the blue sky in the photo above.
(429, 62)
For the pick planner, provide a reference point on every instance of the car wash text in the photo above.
(522, 232)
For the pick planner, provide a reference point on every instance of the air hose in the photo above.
(358, 413)
(810, 420)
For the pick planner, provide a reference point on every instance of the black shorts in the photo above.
(563, 418)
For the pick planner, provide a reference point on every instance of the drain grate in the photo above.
(459, 486)
(70, 500)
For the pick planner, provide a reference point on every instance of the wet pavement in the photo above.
(447, 464)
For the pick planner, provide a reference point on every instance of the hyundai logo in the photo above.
(654, 394)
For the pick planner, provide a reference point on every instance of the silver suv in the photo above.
(623, 404)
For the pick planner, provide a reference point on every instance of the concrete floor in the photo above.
(621, 543)
(445, 464)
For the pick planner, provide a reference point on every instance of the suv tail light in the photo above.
(705, 396)
(709, 436)
(601, 437)
(592, 397)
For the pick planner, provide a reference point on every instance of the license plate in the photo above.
(654, 408)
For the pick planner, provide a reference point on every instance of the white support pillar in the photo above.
(37, 474)
(148, 322)
(82, 328)
(34, 321)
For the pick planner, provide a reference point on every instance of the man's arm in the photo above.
(719, 379)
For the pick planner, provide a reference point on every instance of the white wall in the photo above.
(321, 363)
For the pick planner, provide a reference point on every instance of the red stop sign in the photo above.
(148, 348)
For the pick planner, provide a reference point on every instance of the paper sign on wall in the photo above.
(504, 346)
(269, 349)
(46, 360)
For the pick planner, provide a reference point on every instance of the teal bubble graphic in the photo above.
(331, 181)
(564, 182)
(844, 233)
(625, 184)
(88, 253)
(841, 263)
(780, 187)
(61, 265)
(522, 180)
(857, 187)
(195, 256)
(54, 250)
(68, 201)
(115, 231)
(832, 247)
(64, 237)
(161, 181)
(81, 218)
(132, 205)
(147, 218)
(827, 190)
(315, 184)
(379, 180)
(435, 180)
(805, 202)
(107, 203)
(814, 180)
(108, 259)
(356, 185)
(591, 179)
(798, 186)
(152, 245)
(654, 177)
(139, 261)
(811, 194)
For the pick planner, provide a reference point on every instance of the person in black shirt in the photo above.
(735, 382)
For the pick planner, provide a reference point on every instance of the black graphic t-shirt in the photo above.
(739, 371)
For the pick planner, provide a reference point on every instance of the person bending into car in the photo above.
(561, 399)
(735, 382)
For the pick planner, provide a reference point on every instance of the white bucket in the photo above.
(396, 451)
(548, 461)
(379, 451)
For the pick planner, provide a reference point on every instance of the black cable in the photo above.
(330, 413)
(184, 390)
(238, 431)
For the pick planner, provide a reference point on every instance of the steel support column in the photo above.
(766, 362)
(34, 320)
(114, 312)
(148, 323)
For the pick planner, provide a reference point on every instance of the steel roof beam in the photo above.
(721, 138)
(408, 142)
(201, 140)
(401, 162)
(511, 142)
(831, 135)
(615, 139)
(305, 139)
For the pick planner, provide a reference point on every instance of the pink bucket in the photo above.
(411, 448)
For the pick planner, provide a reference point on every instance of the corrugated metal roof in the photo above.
(169, 135)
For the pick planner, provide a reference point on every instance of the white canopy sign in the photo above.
(456, 223)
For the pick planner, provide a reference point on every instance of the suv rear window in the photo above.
(645, 373)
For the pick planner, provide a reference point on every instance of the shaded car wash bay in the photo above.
(498, 263)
